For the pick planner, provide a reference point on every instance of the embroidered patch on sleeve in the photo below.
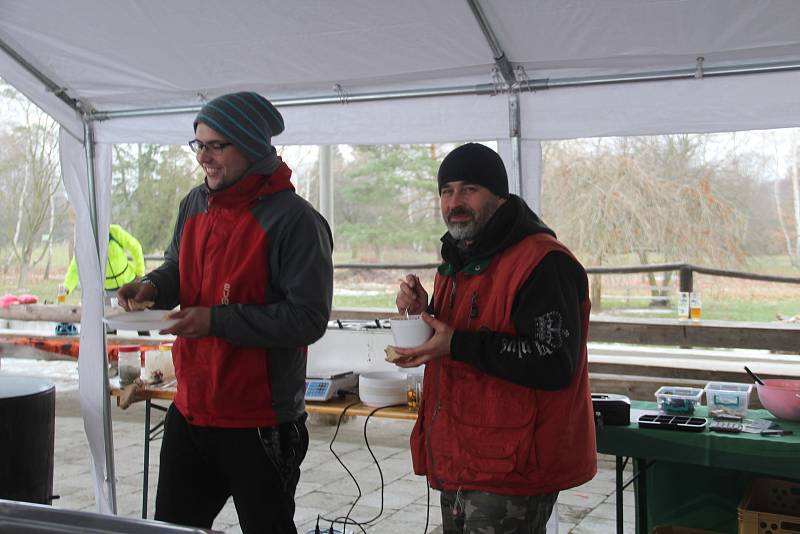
(549, 332)
(549, 335)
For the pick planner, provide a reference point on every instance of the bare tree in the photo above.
(651, 197)
(35, 181)
(791, 235)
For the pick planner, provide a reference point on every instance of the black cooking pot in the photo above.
(27, 434)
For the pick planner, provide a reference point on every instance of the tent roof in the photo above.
(131, 54)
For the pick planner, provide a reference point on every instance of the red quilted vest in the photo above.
(478, 432)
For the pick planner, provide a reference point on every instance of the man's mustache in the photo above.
(455, 212)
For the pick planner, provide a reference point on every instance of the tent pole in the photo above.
(326, 183)
(500, 59)
(489, 89)
(39, 75)
(110, 475)
(515, 126)
(514, 116)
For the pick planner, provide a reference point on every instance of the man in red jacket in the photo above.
(506, 418)
(250, 265)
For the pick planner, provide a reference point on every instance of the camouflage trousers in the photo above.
(477, 512)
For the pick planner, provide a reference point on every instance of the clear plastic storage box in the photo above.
(729, 398)
(678, 400)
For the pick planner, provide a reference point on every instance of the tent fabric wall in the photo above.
(94, 399)
(134, 54)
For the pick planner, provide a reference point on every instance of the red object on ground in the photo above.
(28, 299)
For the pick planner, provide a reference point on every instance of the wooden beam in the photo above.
(775, 336)
(57, 313)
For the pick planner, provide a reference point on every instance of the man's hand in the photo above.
(412, 297)
(192, 322)
(436, 347)
(136, 296)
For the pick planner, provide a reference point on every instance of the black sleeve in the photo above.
(546, 315)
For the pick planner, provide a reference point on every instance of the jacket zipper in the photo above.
(473, 308)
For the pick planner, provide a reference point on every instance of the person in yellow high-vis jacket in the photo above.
(119, 268)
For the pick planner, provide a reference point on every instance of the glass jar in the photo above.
(129, 364)
(61, 294)
(413, 390)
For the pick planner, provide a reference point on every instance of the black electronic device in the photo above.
(612, 409)
(673, 422)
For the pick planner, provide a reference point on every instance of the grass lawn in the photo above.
(723, 298)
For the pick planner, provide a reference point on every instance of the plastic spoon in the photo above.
(753, 376)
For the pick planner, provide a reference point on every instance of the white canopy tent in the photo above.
(383, 71)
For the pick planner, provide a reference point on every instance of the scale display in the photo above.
(325, 386)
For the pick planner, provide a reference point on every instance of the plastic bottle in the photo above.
(695, 306)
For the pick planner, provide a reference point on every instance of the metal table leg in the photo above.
(619, 469)
(641, 495)
(639, 474)
(149, 435)
(146, 456)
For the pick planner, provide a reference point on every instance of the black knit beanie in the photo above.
(475, 164)
(247, 119)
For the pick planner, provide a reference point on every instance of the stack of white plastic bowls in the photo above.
(382, 388)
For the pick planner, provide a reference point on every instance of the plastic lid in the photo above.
(129, 348)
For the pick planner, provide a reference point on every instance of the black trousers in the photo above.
(202, 466)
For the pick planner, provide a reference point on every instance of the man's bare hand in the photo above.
(192, 322)
(412, 297)
(436, 347)
(136, 296)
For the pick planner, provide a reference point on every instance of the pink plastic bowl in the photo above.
(781, 397)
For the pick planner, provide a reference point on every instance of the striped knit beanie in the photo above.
(246, 119)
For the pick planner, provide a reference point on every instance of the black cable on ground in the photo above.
(330, 446)
(346, 518)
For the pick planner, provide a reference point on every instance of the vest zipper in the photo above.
(453, 291)
(473, 308)
(429, 433)
(438, 404)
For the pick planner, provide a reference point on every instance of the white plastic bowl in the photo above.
(382, 388)
(410, 332)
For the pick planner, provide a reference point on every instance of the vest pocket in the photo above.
(492, 422)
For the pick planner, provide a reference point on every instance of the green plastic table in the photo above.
(695, 479)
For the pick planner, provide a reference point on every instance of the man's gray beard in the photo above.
(463, 231)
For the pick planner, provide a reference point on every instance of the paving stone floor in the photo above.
(325, 488)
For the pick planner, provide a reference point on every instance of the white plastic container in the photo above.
(731, 398)
(158, 366)
(678, 400)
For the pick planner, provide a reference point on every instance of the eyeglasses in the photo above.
(216, 147)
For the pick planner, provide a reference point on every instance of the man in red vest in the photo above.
(506, 417)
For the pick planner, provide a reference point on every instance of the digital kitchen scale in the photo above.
(324, 385)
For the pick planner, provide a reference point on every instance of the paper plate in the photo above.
(140, 320)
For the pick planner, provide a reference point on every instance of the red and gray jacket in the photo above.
(478, 431)
(259, 256)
